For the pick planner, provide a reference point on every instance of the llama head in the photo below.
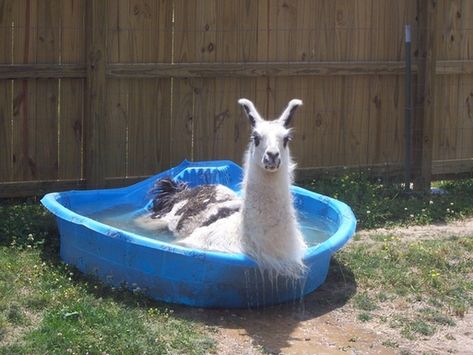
(269, 148)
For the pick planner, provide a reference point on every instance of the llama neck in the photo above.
(267, 202)
(259, 183)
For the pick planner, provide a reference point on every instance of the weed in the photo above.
(363, 302)
(418, 326)
(382, 296)
(390, 344)
(364, 317)
(15, 315)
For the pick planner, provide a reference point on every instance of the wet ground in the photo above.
(321, 324)
(325, 321)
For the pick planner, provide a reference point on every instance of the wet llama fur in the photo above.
(261, 224)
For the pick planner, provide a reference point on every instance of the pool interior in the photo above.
(118, 208)
(315, 228)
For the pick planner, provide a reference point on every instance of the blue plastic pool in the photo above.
(122, 256)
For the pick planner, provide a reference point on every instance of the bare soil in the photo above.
(325, 322)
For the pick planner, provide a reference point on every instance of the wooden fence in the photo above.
(101, 93)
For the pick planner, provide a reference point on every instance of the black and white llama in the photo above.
(262, 223)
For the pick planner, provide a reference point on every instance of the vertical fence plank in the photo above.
(116, 120)
(453, 129)
(226, 114)
(24, 91)
(185, 50)
(386, 142)
(149, 99)
(140, 21)
(293, 36)
(96, 23)
(356, 113)
(5, 92)
(424, 112)
(204, 97)
(448, 118)
(162, 93)
(72, 91)
(47, 91)
(447, 132)
(214, 114)
(251, 43)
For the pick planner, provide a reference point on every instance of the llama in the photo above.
(262, 224)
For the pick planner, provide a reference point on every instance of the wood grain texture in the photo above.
(453, 124)
(6, 164)
(424, 119)
(124, 88)
(24, 91)
(147, 138)
(47, 91)
(116, 120)
(95, 113)
(231, 70)
(183, 89)
(454, 34)
(237, 69)
(72, 100)
(41, 71)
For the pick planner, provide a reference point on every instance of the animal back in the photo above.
(191, 208)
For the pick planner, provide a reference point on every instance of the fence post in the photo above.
(425, 93)
(408, 112)
(96, 30)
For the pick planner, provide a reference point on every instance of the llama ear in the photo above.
(250, 111)
(288, 114)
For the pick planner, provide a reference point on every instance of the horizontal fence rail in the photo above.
(211, 70)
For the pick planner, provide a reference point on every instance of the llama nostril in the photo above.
(272, 156)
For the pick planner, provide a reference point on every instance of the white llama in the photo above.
(261, 224)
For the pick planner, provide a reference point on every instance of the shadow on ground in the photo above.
(272, 329)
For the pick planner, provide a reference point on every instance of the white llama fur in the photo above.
(265, 227)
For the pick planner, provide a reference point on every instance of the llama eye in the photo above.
(286, 140)
(256, 139)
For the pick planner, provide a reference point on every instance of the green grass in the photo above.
(430, 274)
(378, 204)
(48, 307)
(429, 278)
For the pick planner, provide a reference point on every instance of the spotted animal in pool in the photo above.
(183, 209)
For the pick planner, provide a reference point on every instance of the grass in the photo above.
(48, 307)
(377, 204)
(415, 286)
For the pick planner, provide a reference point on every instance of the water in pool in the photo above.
(316, 229)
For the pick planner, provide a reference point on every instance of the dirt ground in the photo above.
(326, 323)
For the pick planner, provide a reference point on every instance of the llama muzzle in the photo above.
(271, 160)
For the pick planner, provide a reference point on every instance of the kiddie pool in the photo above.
(171, 273)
